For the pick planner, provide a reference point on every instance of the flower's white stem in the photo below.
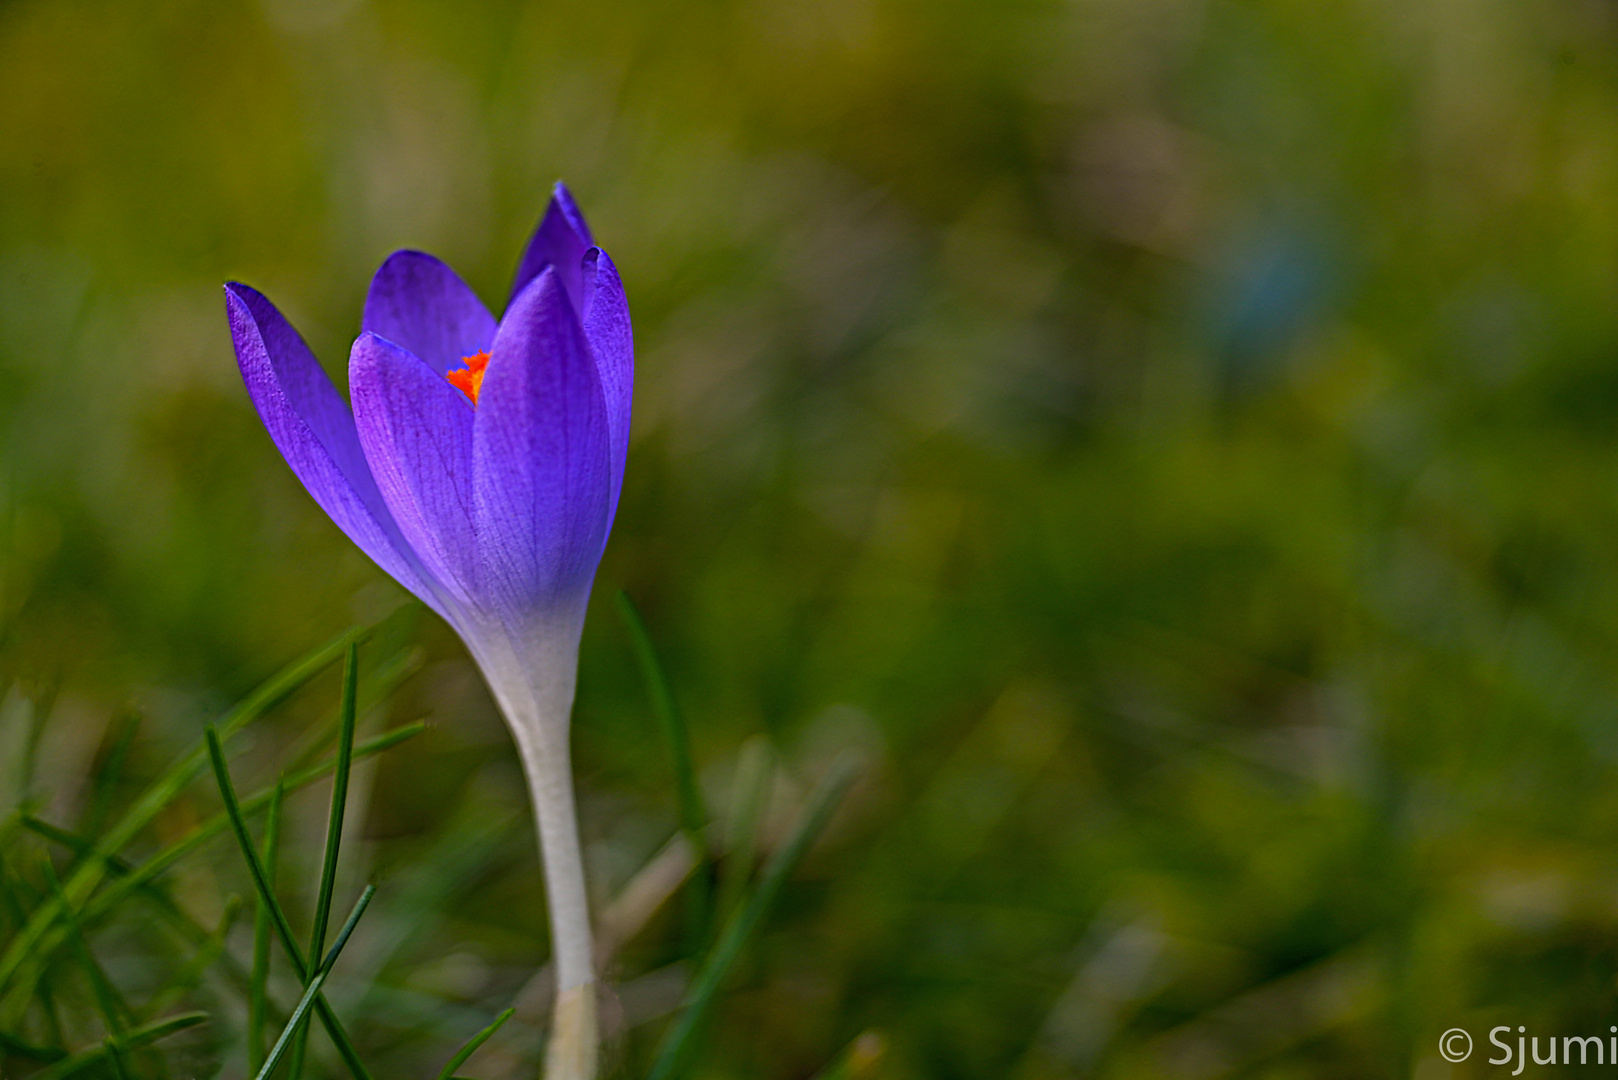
(537, 699)
(572, 1051)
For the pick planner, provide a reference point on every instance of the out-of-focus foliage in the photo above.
(1175, 440)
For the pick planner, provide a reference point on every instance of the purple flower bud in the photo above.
(482, 462)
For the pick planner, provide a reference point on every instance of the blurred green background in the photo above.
(1172, 440)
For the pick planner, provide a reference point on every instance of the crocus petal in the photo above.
(607, 329)
(560, 241)
(418, 302)
(416, 430)
(314, 431)
(541, 459)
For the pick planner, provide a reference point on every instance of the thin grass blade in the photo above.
(278, 918)
(131, 1040)
(53, 1018)
(10, 1044)
(116, 1059)
(681, 1039)
(188, 928)
(105, 784)
(16, 914)
(693, 812)
(749, 792)
(295, 1022)
(258, 994)
(472, 1044)
(334, 833)
(377, 686)
(111, 1005)
(39, 714)
(187, 978)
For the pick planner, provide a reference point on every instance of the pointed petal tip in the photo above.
(563, 200)
(242, 291)
(237, 293)
(560, 240)
(597, 266)
(243, 302)
(246, 309)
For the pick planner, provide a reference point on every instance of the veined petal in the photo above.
(418, 302)
(541, 457)
(560, 241)
(314, 431)
(416, 430)
(607, 329)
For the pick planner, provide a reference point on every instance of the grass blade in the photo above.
(131, 1040)
(190, 975)
(258, 996)
(278, 918)
(16, 914)
(256, 704)
(188, 928)
(117, 1059)
(139, 876)
(749, 791)
(681, 1038)
(295, 1023)
(12, 1045)
(158, 795)
(334, 833)
(172, 854)
(113, 1008)
(47, 1004)
(693, 814)
(473, 1043)
(105, 784)
(39, 714)
(378, 685)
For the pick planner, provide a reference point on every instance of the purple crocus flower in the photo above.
(480, 467)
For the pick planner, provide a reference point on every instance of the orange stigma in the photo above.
(469, 380)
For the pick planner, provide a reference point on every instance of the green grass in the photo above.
(681, 1042)
(40, 920)
(472, 1044)
(677, 740)
(126, 1028)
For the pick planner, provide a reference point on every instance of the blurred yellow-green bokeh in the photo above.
(1174, 442)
